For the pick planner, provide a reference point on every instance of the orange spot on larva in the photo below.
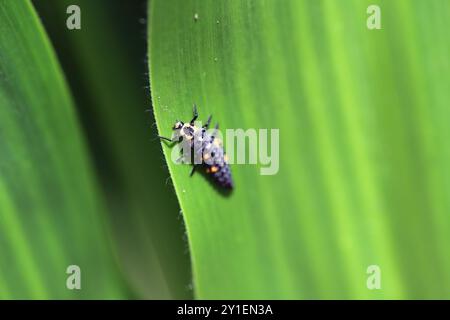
(214, 169)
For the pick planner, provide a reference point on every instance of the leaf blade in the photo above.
(51, 209)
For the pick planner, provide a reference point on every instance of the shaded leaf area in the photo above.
(363, 118)
(105, 63)
(50, 213)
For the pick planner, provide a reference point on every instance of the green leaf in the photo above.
(105, 66)
(50, 213)
(364, 127)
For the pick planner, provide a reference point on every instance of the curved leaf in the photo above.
(50, 214)
(105, 66)
(363, 118)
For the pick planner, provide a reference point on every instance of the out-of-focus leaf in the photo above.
(106, 67)
(50, 213)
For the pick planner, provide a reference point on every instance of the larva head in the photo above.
(184, 130)
(178, 125)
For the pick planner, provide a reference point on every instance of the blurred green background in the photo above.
(364, 127)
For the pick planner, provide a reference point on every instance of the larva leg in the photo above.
(165, 138)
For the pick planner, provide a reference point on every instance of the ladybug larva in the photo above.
(205, 146)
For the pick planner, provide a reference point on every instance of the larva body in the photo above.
(205, 148)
